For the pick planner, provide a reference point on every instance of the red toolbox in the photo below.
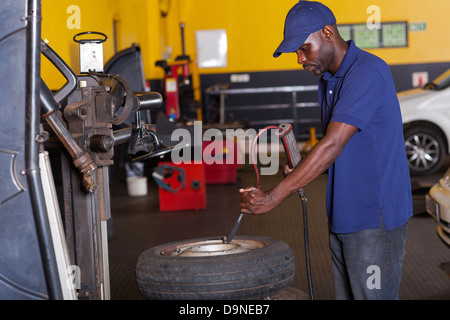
(221, 160)
(181, 186)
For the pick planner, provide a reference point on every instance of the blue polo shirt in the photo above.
(371, 176)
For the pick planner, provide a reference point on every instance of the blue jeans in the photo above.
(368, 264)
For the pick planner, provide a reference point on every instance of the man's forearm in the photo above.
(318, 160)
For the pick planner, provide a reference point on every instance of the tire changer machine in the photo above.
(49, 253)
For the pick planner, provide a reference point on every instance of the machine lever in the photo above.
(148, 100)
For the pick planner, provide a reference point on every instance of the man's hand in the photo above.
(255, 201)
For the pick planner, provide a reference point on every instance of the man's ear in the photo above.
(327, 33)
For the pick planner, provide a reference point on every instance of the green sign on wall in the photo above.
(417, 26)
(388, 35)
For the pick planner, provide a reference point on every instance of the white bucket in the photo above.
(137, 186)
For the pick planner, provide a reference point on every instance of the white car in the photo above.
(426, 120)
(438, 206)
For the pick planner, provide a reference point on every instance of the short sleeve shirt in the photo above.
(370, 178)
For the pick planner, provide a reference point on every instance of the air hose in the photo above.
(293, 156)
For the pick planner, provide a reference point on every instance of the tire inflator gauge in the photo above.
(290, 144)
(293, 156)
(291, 149)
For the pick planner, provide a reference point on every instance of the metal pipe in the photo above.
(82, 159)
(122, 135)
(33, 67)
(216, 91)
(115, 34)
(183, 46)
(148, 100)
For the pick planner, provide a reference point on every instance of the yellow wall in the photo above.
(431, 45)
(254, 29)
(137, 22)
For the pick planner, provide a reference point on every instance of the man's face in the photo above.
(315, 54)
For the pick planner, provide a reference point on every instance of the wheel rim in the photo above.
(211, 248)
(422, 151)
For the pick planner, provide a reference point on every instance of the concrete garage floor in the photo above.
(137, 225)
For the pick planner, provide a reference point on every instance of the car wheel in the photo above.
(248, 267)
(425, 150)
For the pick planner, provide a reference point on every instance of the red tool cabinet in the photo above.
(181, 186)
(225, 172)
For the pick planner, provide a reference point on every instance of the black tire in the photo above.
(253, 274)
(425, 149)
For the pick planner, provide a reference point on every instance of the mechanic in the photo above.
(369, 199)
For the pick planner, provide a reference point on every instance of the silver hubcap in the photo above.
(422, 151)
(211, 248)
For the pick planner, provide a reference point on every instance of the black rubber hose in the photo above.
(306, 237)
(301, 193)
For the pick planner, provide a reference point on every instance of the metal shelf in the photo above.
(223, 92)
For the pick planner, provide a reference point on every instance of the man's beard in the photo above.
(313, 67)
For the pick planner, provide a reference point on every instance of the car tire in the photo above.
(164, 273)
(425, 149)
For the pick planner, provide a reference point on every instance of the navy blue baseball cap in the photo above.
(304, 18)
